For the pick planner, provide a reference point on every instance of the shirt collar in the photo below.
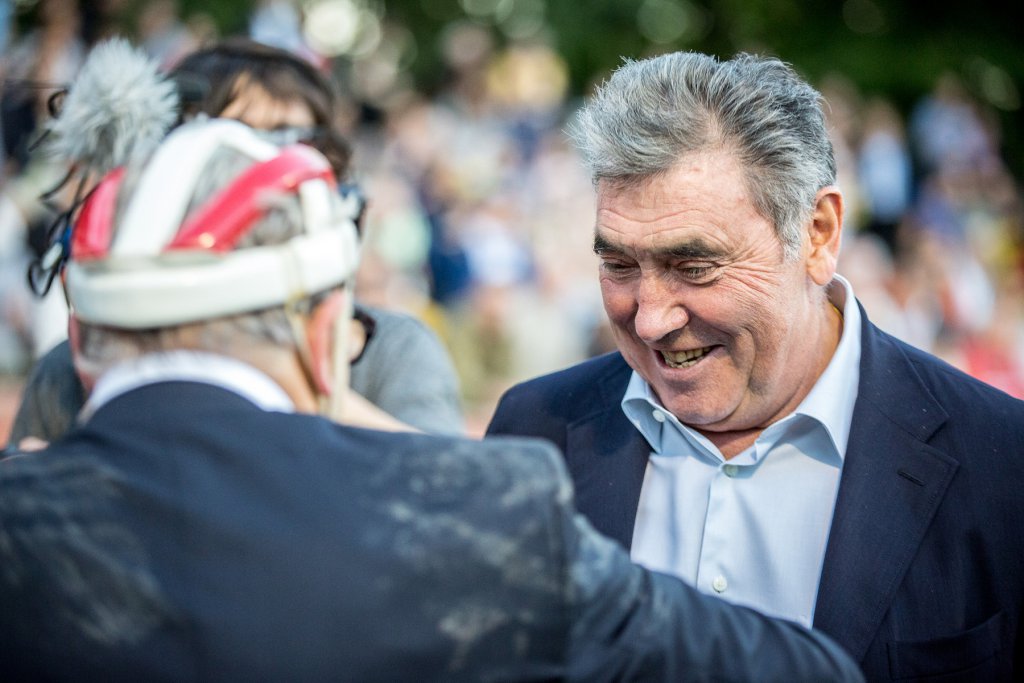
(191, 366)
(830, 401)
(832, 397)
(640, 405)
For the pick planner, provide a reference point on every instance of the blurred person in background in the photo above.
(36, 65)
(967, 228)
(403, 377)
(755, 433)
(947, 211)
(489, 171)
(203, 522)
(885, 172)
(167, 37)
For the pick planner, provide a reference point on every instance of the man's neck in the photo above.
(730, 444)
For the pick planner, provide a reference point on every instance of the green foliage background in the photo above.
(885, 47)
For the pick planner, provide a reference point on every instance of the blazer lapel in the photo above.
(607, 458)
(891, 486)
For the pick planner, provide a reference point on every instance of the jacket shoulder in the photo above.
(473, 469)
(958, 390)
(583, 377)
(976, 423)
(564, 396)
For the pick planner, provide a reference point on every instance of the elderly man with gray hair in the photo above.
(755, 434)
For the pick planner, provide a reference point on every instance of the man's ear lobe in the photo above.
(320, 330)
(826, 228)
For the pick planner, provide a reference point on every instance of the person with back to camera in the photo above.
(754, 433)
(201, 522)
(403, 377)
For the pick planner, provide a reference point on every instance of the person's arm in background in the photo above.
(357, 411)
(406, 372)
(52, 397)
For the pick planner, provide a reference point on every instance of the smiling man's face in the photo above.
(703, 303)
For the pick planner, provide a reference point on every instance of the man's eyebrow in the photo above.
(601, 246)
(693, 249)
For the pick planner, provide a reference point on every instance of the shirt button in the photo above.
(658, 416)
(719, 584)
(730, 470)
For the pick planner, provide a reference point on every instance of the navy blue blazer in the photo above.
(183, 534)
(924, 569)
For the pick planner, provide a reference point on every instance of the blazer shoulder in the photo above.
(566, 388)
(510, 458)
(955, 388)
(543, 405)
(494, 483)
(979, 425)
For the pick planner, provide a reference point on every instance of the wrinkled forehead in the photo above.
(682, 215)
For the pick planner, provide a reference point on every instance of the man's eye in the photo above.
(697, 273)
(615, 267)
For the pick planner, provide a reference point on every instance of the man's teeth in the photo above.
(684, 359)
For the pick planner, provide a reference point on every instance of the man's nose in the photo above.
(659, 308)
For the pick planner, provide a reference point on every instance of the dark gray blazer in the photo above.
(183, 534)
(924, 568)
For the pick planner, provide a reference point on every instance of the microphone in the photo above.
(119, 106)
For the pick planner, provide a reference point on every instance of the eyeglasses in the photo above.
(353, 196)
(369, 328)
(290, 135)
(44, 268)
(53, 102)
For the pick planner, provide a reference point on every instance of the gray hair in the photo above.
(101, 347)
(652, 112)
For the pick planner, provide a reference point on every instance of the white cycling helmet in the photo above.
(162, 268)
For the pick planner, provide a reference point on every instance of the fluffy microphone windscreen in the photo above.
(119, 106)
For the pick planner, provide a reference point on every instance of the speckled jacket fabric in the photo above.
(184, 534)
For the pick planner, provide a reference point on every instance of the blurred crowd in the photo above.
(479, 217)
(935, 226)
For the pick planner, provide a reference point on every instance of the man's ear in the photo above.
(825, 228)
(320, 335)
(75, 344)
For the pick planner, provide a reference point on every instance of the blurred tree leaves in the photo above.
(889, 48)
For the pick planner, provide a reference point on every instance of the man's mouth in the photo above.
(684, 359)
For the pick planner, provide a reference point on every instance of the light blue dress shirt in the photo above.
(752, 530)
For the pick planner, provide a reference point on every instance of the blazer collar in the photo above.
(607, 458)
(892, 484)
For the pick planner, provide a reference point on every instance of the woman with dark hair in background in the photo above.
(402, 376)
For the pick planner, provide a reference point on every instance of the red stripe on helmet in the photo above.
(91, 236)
(219, 223)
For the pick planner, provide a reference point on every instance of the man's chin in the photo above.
(699, 410)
